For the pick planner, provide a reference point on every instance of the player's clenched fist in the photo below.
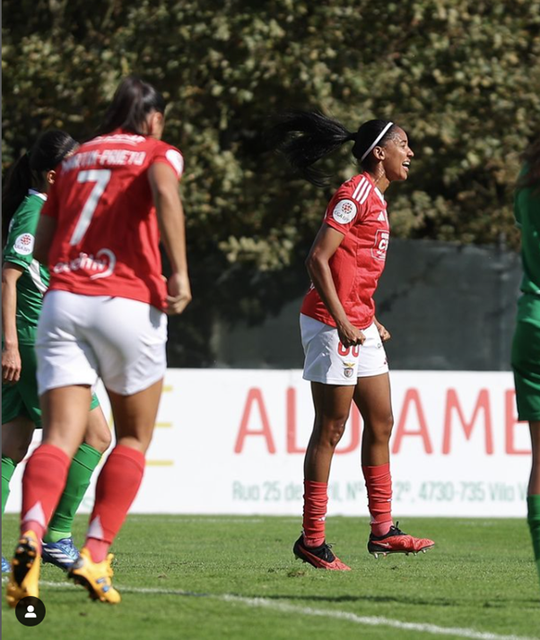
(179, 293)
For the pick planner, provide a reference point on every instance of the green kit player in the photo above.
(526, 344)
(24, 282)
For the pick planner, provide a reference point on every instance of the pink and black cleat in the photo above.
(320, 557)
(395, 541)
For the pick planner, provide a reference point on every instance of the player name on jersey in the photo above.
(104, 157)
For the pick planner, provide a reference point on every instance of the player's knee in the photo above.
(100, 441)
(15, 451)
(382, 429)
(333, 430)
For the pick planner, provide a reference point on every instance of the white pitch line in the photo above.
(283, 607)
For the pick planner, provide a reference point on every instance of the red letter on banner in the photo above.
(291, 422)
(412, 396)
(452, 402)
(511, 421)
(254, 395)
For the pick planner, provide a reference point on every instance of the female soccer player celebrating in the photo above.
(24, 282)
(104, 316)
(526, 344)
(344, 356)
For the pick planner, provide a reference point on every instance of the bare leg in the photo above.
(332, 405)
(16, 438)
(65, 417)
(122, 474)
(533, 497)
(534, 481)
(372, 397)
(135, 416)
(98, 433)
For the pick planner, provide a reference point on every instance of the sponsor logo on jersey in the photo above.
(382, 217)
(24, 244)
(344, 211)
(381, 244)
(102, 264)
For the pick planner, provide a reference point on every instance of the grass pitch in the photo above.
(235, 577)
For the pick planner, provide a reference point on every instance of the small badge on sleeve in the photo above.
(24, 244)
(344, 211)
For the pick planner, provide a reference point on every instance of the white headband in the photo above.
(379, 137)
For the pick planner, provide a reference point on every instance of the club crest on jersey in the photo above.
(380, 245)
(344, 211)
(24, 244)
(349, 369)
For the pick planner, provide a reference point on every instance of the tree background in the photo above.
(461, 76)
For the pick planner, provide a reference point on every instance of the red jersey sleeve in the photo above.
(169, 155)
(344, 210)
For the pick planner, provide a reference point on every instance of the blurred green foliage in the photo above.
(462, 77)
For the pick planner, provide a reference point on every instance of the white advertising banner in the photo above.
(233, 441)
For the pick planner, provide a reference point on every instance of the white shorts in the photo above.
(327, 361)
(82, 337)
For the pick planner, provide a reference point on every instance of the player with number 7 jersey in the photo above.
(104, 316)
(107, 236)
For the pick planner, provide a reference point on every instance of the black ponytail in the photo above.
(133, 100)
(27, 173)
(306, 137)
(18, 181)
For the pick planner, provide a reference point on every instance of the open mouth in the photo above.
(407, 165)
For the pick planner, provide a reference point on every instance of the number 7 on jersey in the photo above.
(101, 177)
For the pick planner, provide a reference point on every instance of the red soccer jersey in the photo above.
(358, 211)
(107, 239)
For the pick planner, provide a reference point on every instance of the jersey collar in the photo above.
(33, 192)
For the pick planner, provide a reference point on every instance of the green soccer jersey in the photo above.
(527, 213)
(34, 281)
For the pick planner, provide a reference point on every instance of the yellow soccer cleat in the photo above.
(95, 577)
(24, 576)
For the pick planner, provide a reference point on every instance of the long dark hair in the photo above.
(133, 100)
(304, 137)
(531, 157)
(27, 173)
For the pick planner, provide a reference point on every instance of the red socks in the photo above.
(43, 482)
(379, 489)
(315, 502)
(117, 486)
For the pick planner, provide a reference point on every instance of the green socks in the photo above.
(8, 469)
(533, 518)
(85, 461)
